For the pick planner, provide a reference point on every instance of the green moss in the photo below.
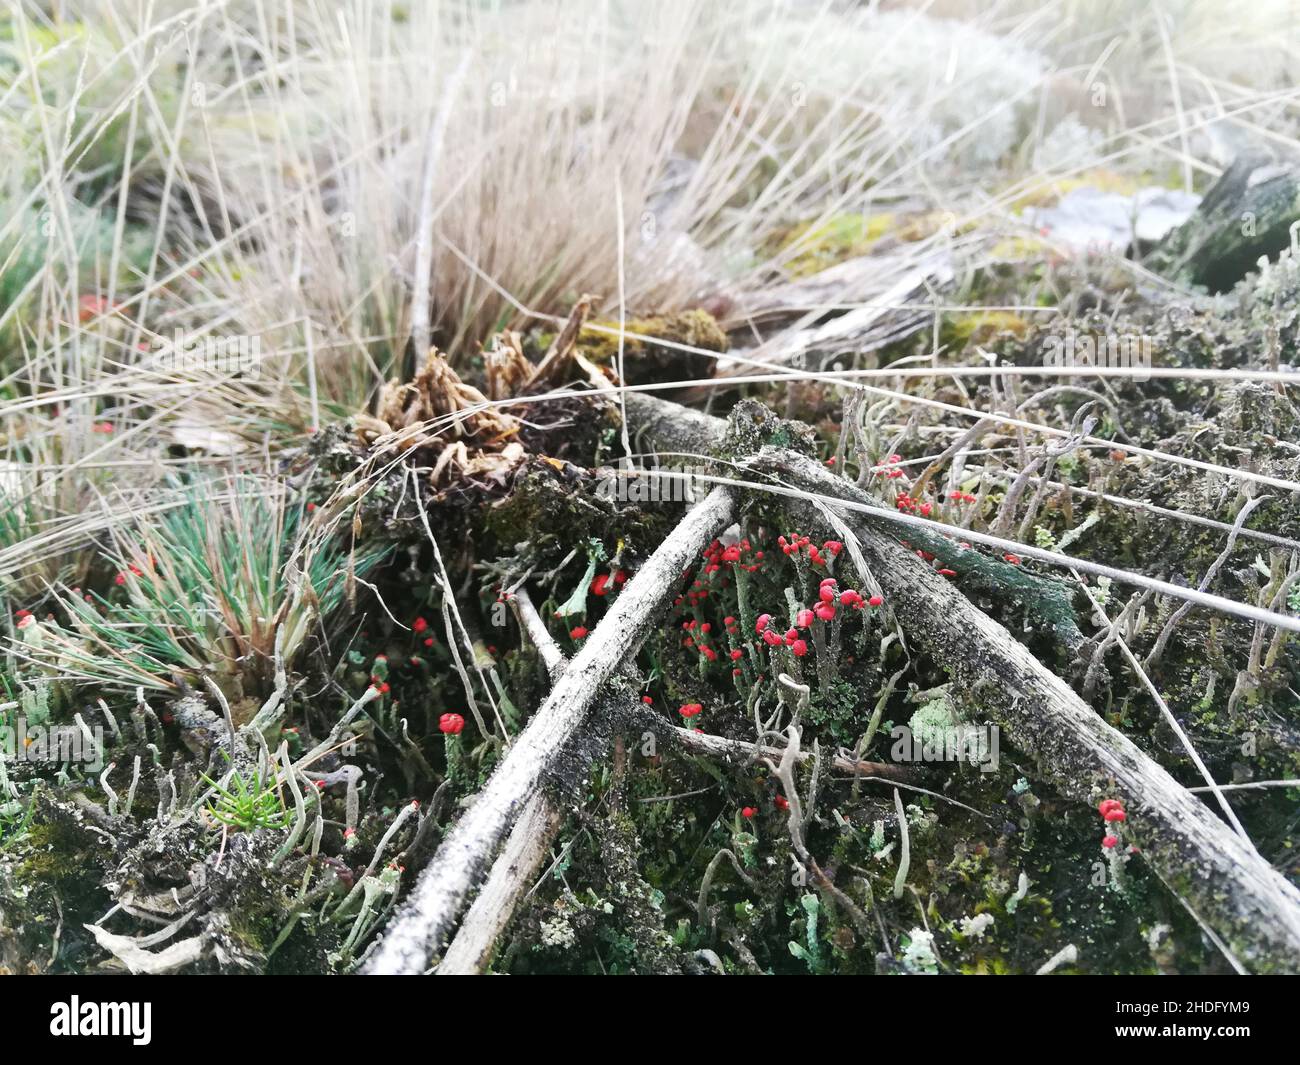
(981, 327)
(56, 853)
(843, 236)
(644, 361)
(696, 328)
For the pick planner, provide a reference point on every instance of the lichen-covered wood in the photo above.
(1248, 213)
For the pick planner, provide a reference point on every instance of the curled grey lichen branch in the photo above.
(702, 903)
(905, 857)
(785, 773)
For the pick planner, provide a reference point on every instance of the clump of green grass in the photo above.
(246, 805)
(218, 584)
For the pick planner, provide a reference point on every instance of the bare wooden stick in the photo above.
(426, 919)
(1222, 880)
(535, 629)
(525, 850)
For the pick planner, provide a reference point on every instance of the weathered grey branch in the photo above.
(721, 747)
(525, 850)
(535, 629)
(426, 919)
(878, 286)
(1216, 873)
